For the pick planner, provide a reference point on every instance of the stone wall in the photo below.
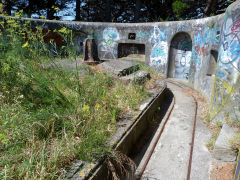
(183, 49)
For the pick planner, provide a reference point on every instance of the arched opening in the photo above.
(180, 56)
(212, 63)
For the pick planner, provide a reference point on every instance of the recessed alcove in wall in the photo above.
(131, 50)
(212, 63)
(132, 36)
(180, 54)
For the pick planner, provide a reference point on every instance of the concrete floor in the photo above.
(170, 158)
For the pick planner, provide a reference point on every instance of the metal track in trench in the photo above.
(162, 129)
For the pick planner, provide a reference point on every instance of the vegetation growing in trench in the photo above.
(48, 118)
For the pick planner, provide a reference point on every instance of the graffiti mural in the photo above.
(74, 26)
(159, 54)
(180, 56)
(182, 64)
(215, 37)
(142, 35)
(182, 27)
(228, 69)
(108, 44)
(159, 51)
(200, 43)
(204, 37)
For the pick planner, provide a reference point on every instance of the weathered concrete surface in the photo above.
(222, 149)
(74, 169)
(171, 155)
(120, 67)
(64, 64)
(138, 77)
(202, 158)
(144, 104)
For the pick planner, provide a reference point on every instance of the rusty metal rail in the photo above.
(193, 133)
(161, 131)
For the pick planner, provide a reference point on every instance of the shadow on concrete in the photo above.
(141, 147)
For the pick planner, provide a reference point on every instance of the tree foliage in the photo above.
(120, 10)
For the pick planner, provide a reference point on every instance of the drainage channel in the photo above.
(164, 120)
(138, 136)
(149, 154)
(141, 138)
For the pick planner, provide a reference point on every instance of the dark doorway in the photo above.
(180, 56)
(132, 51)
(212, 63)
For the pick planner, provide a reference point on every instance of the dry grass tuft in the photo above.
(203, 105)
(120, 166)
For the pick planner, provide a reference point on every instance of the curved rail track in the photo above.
(149, 155)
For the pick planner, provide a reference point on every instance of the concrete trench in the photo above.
(172, 112)
(169, 155)
(138, 136)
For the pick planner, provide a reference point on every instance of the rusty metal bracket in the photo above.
(90, 54)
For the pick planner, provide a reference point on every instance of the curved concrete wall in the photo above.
(181, 49)
(225, 91)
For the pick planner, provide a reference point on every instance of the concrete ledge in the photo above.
(120, 67)
(222, 149)
(138, 77)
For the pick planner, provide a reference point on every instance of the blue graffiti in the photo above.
(158, 35)
(110, 33)
(235, 48)
(215, 35)
(158, 51)
(142, 35)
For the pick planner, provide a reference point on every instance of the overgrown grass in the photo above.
(215, 129)
(48, 118)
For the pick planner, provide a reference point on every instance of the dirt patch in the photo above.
(204, 106)
(222, 171)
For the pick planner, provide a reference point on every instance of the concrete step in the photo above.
(222, 149)
(120, 67)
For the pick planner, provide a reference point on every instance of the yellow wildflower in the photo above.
(92, 164)
(135, 117)
(97, 106)
(82, 174)
(63, 30)
(10, 21)
(25, 44)
(85, 108)
(118, 144)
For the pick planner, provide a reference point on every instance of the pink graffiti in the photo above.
(201, 50)
(235, 28)
(215, 46)
(198, 29)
